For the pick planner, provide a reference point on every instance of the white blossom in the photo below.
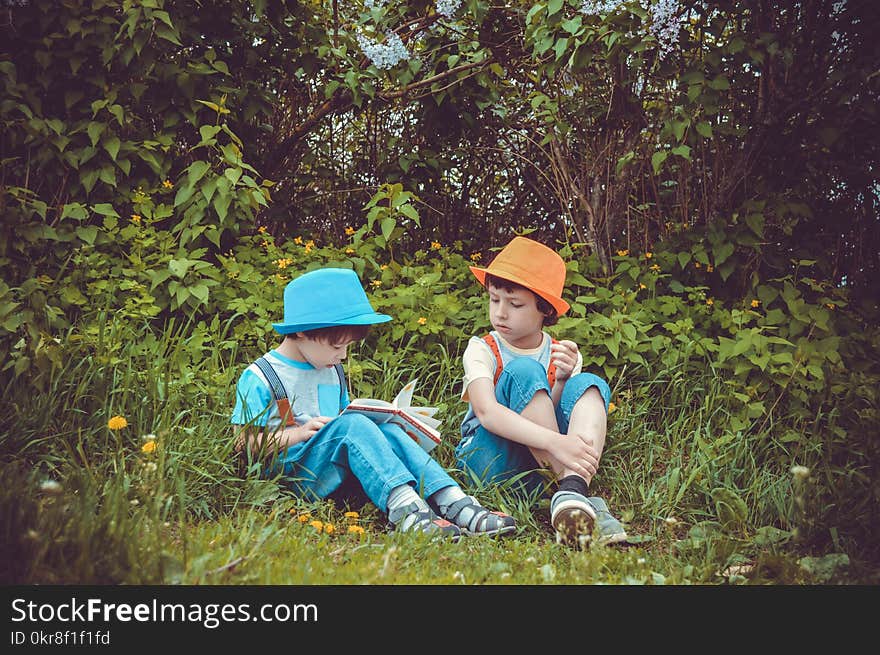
(448, 7)
(384, 55)
(375, 4)
(665, 24)
(596, 7)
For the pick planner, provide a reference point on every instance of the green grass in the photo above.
(705, 505)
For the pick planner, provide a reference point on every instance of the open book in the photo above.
(418, 422)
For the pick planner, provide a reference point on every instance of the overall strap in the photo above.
(493, 344)
(551, 369)
(499, 364)
(278, 391)
(342, 385)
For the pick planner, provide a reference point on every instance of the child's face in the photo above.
(321, 354)
(516, 316)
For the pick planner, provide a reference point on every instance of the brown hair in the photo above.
(549, 312)
(335, 333)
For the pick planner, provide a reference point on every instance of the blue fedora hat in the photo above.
(324, 298)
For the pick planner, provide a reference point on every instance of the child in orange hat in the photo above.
(531, 408)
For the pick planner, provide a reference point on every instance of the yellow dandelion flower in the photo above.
(356, 529)
(611, 407)
(349, 251)
(422, 320)
(262, 229)
(476, 256)
(329, 528)
(310, 243)
(655, 267)
(318, 525)
(831, 306)
(755, 302)
(308, 248)
(622, 253)
(304, 518)
(435, 245)
(349, 230)
(136, 218)
(709, 301)
(351, 515)
(648, 255)
(298, 240)
(383, 267)
(149, 447)
(642, 286)
(709, 268)
(168, 184)
(697, 264)
(376, 283)
(117, 423)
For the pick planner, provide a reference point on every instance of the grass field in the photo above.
(161, 500)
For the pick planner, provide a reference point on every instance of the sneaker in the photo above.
(572, 517)
(607, 530)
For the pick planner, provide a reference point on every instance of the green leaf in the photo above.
(111, 145)
(200, 291)
(179, 266)
(756, 224)
(387, 225)
(116, 110)
(554, 6)
(682, 151)
(730, 508)
(722, 252)
(410, 212)
(105, 209)
(94, 131)
(704, 129)
(657, 160)
(164, 17)
(169, 34)
(74, 210)
(560, 46)
(88, 234)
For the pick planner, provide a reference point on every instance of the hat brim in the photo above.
(362, 319)
(557, 303)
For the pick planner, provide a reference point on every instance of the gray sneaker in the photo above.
(608, 530)
(572, 517)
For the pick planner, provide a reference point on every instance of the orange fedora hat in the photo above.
(533, 265)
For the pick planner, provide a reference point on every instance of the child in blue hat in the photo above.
(288, 406)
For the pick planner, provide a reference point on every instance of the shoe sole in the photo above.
(572, 522)
(492, 533)
(620, 537)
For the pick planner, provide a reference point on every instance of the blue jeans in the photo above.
(353, 448)
(492, 458)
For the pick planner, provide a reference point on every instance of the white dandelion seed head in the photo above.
(800, 472)
(50, 487)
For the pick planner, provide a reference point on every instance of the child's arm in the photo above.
(265, 443)
(573, 451)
